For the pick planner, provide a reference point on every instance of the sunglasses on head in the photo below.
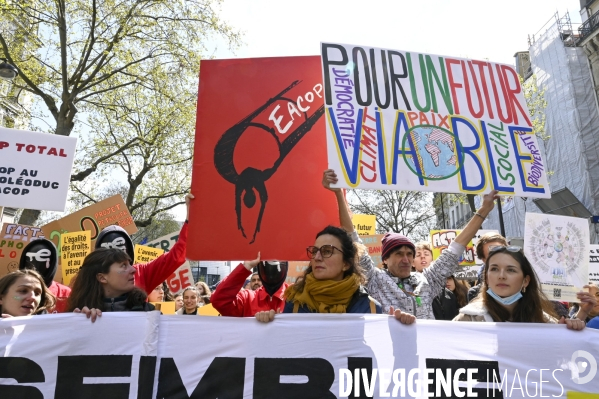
(510, 248)
(326, 251)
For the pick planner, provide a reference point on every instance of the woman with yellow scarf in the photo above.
(333, 283)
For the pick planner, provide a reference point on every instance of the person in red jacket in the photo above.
(230, 300)
(41, 255)
(148, 275)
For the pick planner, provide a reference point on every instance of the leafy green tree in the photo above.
(77, 55)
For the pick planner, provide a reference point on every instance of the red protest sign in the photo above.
(259, 154)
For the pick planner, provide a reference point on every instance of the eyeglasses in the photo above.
(511, 248)
(326, 251)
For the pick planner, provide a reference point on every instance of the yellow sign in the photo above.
(165, 307)
(364, 225)
(440, 240)
(74, 247)
(145, 254)
(208, 310)
(582, 395)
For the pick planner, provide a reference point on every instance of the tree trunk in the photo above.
(29, 216)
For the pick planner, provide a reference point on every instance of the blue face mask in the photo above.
(505, 301)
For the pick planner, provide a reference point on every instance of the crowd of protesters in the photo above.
(341, 278)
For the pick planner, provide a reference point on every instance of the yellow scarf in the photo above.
(325, 296)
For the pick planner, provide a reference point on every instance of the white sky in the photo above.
(479, 29)
(462, 28)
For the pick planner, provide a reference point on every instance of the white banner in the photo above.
(594, 264)
(558, 249)
(143, 356)
(411, 121)
(35, 169)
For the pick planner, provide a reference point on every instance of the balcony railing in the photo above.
(588, 27)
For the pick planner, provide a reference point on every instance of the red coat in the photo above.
(61, 292)
(151, 275)
(230, 300)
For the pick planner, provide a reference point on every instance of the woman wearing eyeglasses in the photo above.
(333, 283)
(511, 292)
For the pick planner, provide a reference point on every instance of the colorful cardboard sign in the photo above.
(13, 239)
(558, 248)
(146, 254)
(74, 247)
(410, 121)
(260, 151)
(35, 169)
(93, 218)
(470, 262)
(365, 225)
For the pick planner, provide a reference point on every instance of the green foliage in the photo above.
(132, 67)
(535, 100)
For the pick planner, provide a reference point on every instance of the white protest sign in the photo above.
(180, 278)
(402, 120)
(558, 249)
(594, 264)
(148, 360)
(35, 169)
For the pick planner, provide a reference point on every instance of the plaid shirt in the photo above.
(425, 286)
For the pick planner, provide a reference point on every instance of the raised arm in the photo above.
(448, 261)
(477, 220)
(330, 177)
(228, 298)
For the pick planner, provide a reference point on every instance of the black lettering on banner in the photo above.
(224, 379)
(485, 369)
(354, 363)
(145, 380)
(24, 371)
(268, 372)
(73, 369)
(325, 64)
(557, 292)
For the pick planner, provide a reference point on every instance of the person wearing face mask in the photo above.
(511, 292)
(149, 275)
(191, 298)
(24, 293)
(41, 255)
(406, 294)
(230, 300)
(106, 283)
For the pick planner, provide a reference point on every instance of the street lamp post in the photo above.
(7, 71)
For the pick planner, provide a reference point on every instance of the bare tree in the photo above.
(407, 212)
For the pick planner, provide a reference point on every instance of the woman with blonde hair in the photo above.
(24, 293)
